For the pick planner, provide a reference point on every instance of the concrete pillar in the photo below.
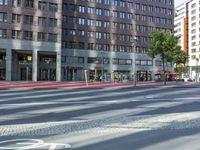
(110, 68)
(58, 66)
(8, 64)
(190, 72)
(35, 65)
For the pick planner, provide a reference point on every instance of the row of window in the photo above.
(104, 35)
(29, 20)
(107, 12)
(43, 6)
(195, 57)
(104, 60)
(100, 23)
(28, 35)
(124, 4)
(104, 47)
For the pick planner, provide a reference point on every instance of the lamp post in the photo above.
(133, 43)
(102, 65)
(197, 69)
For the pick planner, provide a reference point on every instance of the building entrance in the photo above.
(2, 65)
(2, 73)
(47, 74)
(47, 66)
(26, 74)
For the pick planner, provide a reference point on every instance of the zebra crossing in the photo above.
(90, 119)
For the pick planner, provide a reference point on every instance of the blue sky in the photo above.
(177, 2)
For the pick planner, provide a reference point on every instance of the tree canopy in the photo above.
(166, 45)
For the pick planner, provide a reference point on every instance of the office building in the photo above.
(187, 27)
(96, 37)
(30, 39)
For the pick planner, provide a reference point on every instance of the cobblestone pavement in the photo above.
(120, 118)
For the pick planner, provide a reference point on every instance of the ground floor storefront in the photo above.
(30, 61)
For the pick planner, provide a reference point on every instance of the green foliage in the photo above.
(166, 45)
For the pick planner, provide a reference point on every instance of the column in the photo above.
(9, 64)
(190, 72)
(154, 69)
(58, 66)
(35, 65)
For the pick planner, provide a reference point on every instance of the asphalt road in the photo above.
(117, 118)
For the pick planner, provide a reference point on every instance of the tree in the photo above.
(180, 59)
(166, 45)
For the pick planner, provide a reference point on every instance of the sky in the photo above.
(177, 2)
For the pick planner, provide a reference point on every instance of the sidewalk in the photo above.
(49, 85)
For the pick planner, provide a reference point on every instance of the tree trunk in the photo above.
(163, 58)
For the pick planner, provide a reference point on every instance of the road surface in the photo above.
(114, 118)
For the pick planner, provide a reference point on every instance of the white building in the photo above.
(187, 25)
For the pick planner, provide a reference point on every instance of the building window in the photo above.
(90, 22)
(3, 33)
(3, 17)
(42, 6)
(81, 45)
(106, 12)
(158, 63)
(28, 35)
(99, 1)
(81, 9)
(122, 15)
(71, 7)
(29, 3)
(72, 45)
(193, 56)
(98, 47)
(114, 2)
(41, 36)
(98, 11)
(122, 3)
(28, 19)
(94, 60)
(52, 22)
(107, 2)
(81, 21)
(98, 35)
(90, 34)
(41, 21)
(16, 3)
(90, 46)
(98, 23)
(81, 60)
(52, 37)
(16, 18)
(16, 34)
(193, 50)
(53, 7)
(81, 33)
(90, 10)
(115, 61)
(114, 14)
(149, 62)
(63, 59)
(3, 2)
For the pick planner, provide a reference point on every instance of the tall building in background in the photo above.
(96, 37)
(187, 26)
(99, 38)
(30, 39)
(181, 26)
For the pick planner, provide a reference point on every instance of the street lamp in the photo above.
(197, 69)
(102, 65)
(133, 41)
